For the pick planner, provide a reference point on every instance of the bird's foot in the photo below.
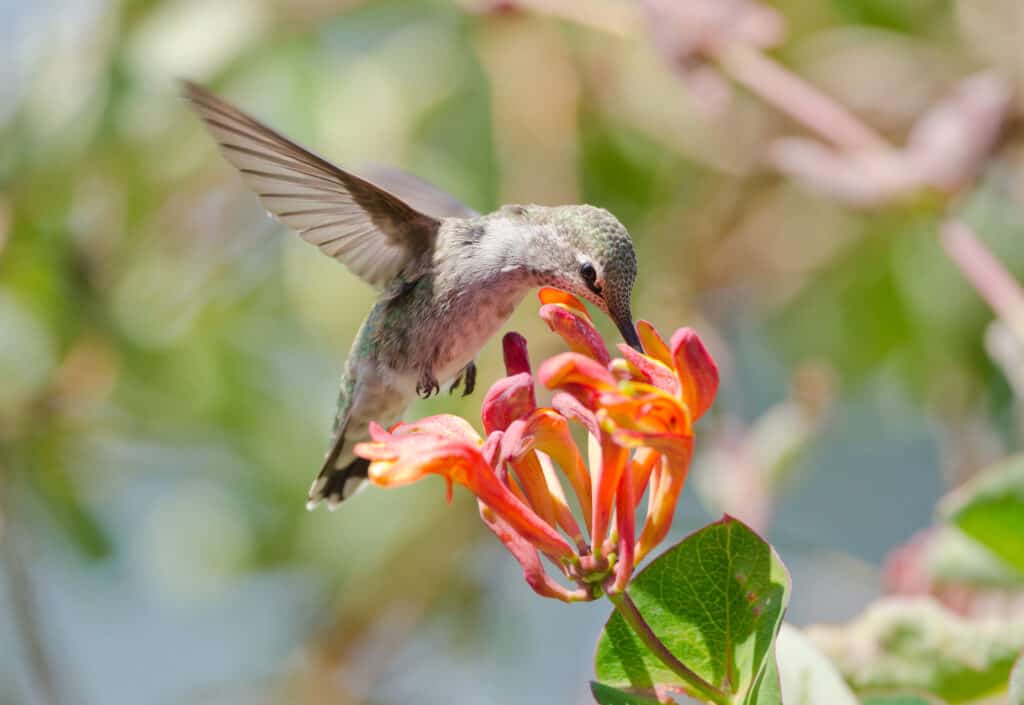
(427, 385)
(467, 375)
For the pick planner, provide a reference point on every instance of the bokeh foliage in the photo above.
(168, 356)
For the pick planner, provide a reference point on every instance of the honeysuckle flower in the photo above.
(448, 446)
(647, 402)
(638, 412)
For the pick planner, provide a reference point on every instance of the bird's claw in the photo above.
(468, 375)
(427, 386)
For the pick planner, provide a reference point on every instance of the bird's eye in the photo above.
(589, 275)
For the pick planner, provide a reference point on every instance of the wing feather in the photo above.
(373, 232)
(419, 194)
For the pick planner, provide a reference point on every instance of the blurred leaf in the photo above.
(806, 675)
(900, 699)
(1016, 696)
(990, 509)
(915, 644)
(891, 14)
(458, 127)
(606, 695)
(861, 290)
(715, 599)
(955, 558)
(44, 462)
(893, 301)
(617, 171)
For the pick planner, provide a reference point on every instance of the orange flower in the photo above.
(448, 446)
(638, 411)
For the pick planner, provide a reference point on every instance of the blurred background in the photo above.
(169, 356)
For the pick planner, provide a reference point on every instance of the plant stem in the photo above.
(985, 273)
(792, 95)
(25, 601)
(700, 687)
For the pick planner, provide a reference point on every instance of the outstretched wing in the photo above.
(374, 233)
(421, 195)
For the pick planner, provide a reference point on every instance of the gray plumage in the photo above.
(448, 277)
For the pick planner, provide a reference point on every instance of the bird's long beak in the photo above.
(624, 322)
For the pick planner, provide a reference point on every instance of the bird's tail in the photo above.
(342, 473)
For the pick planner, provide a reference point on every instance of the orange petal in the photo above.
(523, 461)
(517, 359)
(404, 461)
(409, 453)
(625, 518)
(654, 344)
(668, 444)
(576, 330)
(665, 491)
(645, 409)
(562, 510)
(540, 483)
(651, 370)
(524, 552)
(643, 463)
(606, 484)
(574, 369)
(485, 485)
(443, 425)
(552, 436)
(408, 439)
(508, 399)
(623, 371)
(571, 408)
(548, 295)
(697, 370)
(493, 455)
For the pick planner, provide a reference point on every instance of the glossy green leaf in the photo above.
(990, 509)
(716, 601)
(607, 695)
(768, 690)
(915, 644)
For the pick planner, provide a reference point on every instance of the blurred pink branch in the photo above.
(790, 94)
(944, 151)
(608, 16)
(985, 273)
(24, 598)
(702, 40)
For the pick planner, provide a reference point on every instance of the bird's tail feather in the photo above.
(340, 477)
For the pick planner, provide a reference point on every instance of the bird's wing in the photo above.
(421, 195)
(374, 233)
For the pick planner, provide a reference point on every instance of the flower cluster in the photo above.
(638, 411)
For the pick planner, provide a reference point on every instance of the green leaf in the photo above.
(768, 690)
(607, 695)
(715, 600)
(990, 509)
(1017, 683)
(806, 675)
(900, 699)
(915, 644)
(952, 557)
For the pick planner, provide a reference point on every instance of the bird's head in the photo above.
(591, 255)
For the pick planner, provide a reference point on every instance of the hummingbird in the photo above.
(448, 277)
